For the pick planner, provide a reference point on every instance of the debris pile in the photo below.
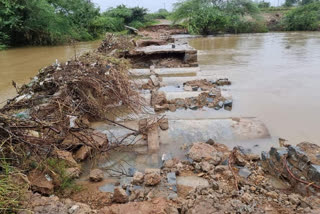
(210, 97)
(50, 118)
(162, 32)
(213, 180)
(204, 85)
(117, 45)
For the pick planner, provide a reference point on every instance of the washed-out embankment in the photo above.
(134, 123)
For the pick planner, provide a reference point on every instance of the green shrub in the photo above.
(207, 20)
(303, 18)
(137, 24)
(160, 14)
(245, 26)
(209, 17)
(264, 4)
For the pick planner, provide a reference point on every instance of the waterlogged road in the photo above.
(276, 77)
(21, 64)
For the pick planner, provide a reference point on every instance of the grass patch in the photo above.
(11, 190)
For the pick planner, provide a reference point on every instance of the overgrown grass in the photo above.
(11, 191)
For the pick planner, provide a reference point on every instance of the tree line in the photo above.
(244, 16)
(50, 22)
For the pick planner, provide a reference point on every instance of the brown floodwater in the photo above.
(275, 77)
(21, 64)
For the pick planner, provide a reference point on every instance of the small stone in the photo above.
(99, 139)
(131, 171)
(193, 107)
(158, 98)
(164, 124)
(138, 178)
(294, 198)
(215, 185)
(66, 156)
(203, 151)
(220, 168)
(96, 175)
(172, 107)
(155, 80)
(253, 189)
(210, 142)
(228, 103)
(169, 163)
(272, 194)
(195, 88)
(152, 177)
(160, 108)
(172, 196)
(120, 195)
(39, 183)
(73, 209)
(206, 166)
(244, 172)
(73, 172)
(83, 153)
(172, 179)
(247, 198)
(187, 88)
(180, 103)
(210, 100)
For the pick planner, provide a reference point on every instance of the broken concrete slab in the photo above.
(154, 49)
(298, 162)
(165, 71)
(184, 95)
(153, 138)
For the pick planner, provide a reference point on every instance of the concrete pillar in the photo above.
(153, 138)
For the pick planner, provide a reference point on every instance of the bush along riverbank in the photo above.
(51, 22)
(48, 140)
(244, 16)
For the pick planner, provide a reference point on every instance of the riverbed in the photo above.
(274, 76)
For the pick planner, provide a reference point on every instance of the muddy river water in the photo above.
(275, 76)
(21, 64)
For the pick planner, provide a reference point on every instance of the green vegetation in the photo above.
(11, 191)
(264, 4)
(160, 14)
(50, 22)
(66, 183)
(216, 16)
(290, 3)
(305, 17)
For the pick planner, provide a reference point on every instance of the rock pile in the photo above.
(299, 165)
(211, 99)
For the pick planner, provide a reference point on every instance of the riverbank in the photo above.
(144, 153)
